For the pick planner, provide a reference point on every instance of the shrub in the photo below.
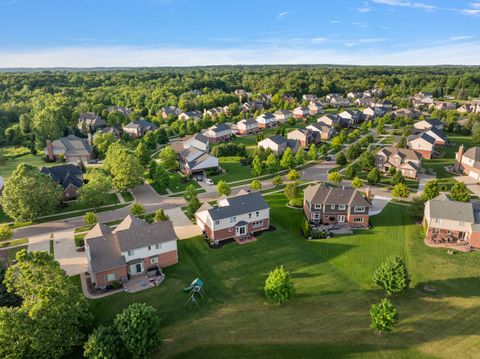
(137, 209)
(90, 218)
(6, 232)
(279, 286)
(392, 275)
(383, 316)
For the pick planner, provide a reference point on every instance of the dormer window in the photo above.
(233, 219)
(359, 209)
(217, 222)
(342, 207)
(318, 206)
(131, 252)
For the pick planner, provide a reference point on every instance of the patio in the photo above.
(142, 281)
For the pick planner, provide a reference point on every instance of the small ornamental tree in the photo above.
(279, 286)
(357, 182)
(6, 232)
(400, 190)
(431, 190)
(138, 327)
(192, 206)
(137, 209)
(293, 175)
(287, 161)
(90, 218)
(398, 178)
(256, 166)
(160, 215)
(459, 192)
(383, 316)
(312, 154)
(168, 157)
(291, 192)
(373, 176)
(392, 275)
(350, 171)
(341, 159)
(334, 177)
(300, 157)
(103, 343)
(223, 188)
(256, 185)
(272, 163)
(190, 192)
(277, 181)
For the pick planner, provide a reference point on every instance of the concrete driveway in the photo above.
(65, 252)
(145, 194)
(184, 228)
(470, 183)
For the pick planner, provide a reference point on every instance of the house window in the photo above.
(438, 220)
(149, 248)
(217, 222)
(317, 206)
(461, 223)
(359, 209)
(233, 219)
(257, 213)
(342, 207)
(158, 246)
(131, 252)
(315, 215)
(153, 260)
(230, 229)
(358, 219)
(111, 277)
(249, 215)
(332, 206)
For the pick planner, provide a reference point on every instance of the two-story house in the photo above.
(218, 133)
(198, 141)
(138, 128)
(234, 217)
(69, 176)
(301, 112)
(196, 162)
(278, 144)
(324, 131)
(428, 124)
(468, 162)
(330, 119)
(247, 126)
(423, 144)
(282, 115)
(315, 107)
(350, 117)
(90, 122)
(71, 149)
(452, 222)
(304, 136)
(266, 120)
(336, 205)
(405, 160)
(132, 248)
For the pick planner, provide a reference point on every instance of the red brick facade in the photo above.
(228, 233)
(100, 278)
(425, 154)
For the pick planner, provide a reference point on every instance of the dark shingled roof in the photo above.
(320, 193)
(65, 175)
(239, 205)
(220, 127)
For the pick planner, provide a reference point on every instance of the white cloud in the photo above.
(364, 9)
(475, 5)
(459, 53)
(335, 21)
(283, 14)
(474, 12)
(461, 37)
(361, 24)
(318, 40)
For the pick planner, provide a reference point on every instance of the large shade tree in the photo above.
(29, 194)
(123, 166)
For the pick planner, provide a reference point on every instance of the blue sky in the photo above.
(86, 33)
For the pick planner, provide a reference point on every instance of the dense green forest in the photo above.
(35, 106)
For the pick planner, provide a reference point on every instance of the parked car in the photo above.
(209, 181)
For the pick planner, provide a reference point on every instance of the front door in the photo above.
(341, 218)
(241, 230)
(138, 268)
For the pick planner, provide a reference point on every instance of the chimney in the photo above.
(50, 155)
(368, 193)
(458, 159)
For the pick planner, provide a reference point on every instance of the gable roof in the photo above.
(71, 145)
(473, 153)
(442, 207)
(140, 124)
(105, 253)
(239, 205)
(424, 136)
(277, 139)
(65, 175)
(319, 193)
(198, 136)
(220, 127)
(139, 235)
(404, 153)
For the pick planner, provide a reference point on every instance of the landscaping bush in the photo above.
(279, 286)
(79, 240)
(116, 284)
(392, 275)
(229, 149)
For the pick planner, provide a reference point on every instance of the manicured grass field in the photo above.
(127, 196)
(12, 163)
(235, 170)
(328, 317)
(176, 184)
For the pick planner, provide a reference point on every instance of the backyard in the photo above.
(333, 293)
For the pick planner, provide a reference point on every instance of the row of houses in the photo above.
(90, 122)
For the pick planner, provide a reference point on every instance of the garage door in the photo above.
(473, 175)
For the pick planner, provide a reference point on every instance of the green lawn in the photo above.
(12, 163)
(177, 185)
(235, 170)
(13, 242)
(127, 196)
(328, 316)
(77, 205)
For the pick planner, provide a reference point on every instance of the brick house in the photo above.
(422, 144)
(301, 112)
(468, 162)
(234, 217)
(138, 128)
(132, 248)
(304, 136)
(69, 176)
(405, 160)
(266, 120)
(324, 131)
(429, 124)
(247, 127)
(90, 122)
(329, 120)
(70, 148)
(169, 111)
(315, 107)
(452, 222)
(278, 144)
(218, 133)
(282, 115)
(339, 205)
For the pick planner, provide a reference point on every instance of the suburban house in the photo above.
(252, 106)
(350, 117)
(438, 135)
(282, 115)
(90, 122)
(469, 108)
(138, 128)
(371, 113)
(218, 133)
(355, 95)
(363, 102)
(428, 124)
(278, 144)
(265, 98)
(71, 149)
(198, 141)
(113, 130)
(216, 111)
(339, 205)
(266, 120)
(443, 105)
(405, 160)
(308, 97)
(339, 101)
(406, 112)
(315, 107)
(133, 248)
(169, 111)
(329, 120)
(241, 93)
(468, 162)
(304, 136)
(325, 131)
(190, 115)
(69, 176)
(452, 222)
(301, 112)
(422, 144)
(247, 127)
(422, 99)
(385, 104)
(236, 217)
(125, 111)
(195, 162)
